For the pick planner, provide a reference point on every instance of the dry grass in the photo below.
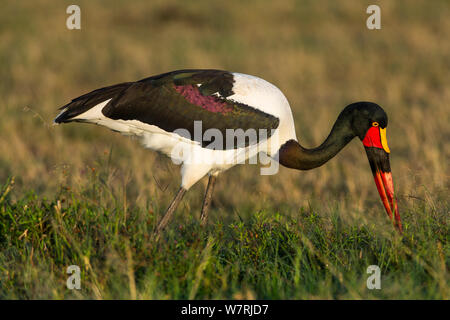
(320, 54)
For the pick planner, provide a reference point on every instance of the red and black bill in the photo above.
(381, 170)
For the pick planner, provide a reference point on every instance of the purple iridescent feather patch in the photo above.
(210, 103)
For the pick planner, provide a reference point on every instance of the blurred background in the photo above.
(319, 53)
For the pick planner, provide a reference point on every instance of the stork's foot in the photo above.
(169, 212)
(207, 199)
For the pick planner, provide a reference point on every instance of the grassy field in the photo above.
(82, 195)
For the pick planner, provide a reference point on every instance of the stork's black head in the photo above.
(364, 115)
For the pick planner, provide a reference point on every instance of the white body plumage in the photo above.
(196, 160)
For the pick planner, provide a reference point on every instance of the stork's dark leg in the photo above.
(207, 199)
(169, 212)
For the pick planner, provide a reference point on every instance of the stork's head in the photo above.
(369, 122)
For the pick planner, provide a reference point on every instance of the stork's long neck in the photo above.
(293, 155)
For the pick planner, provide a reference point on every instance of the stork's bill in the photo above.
(377, 150)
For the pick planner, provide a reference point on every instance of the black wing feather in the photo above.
(156, 101)
(85, 102)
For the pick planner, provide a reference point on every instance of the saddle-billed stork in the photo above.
(165, 110)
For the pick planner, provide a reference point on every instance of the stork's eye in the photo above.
(375, 124)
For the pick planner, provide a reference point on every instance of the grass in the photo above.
(86, 196)
(267, 256)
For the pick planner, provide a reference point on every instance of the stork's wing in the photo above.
(176, 100)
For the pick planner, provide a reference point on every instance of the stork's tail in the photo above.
(74, 110)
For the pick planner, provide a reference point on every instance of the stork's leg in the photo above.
(169, 212)
(207, 199)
